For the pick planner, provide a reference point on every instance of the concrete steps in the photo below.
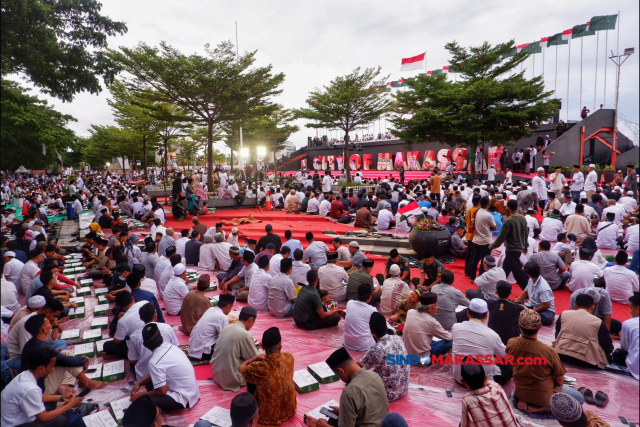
(380, 245)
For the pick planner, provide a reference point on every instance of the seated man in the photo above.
(402, 263)
(127, 325)
(385, 218)
(539, 293)
(282, 295)
(583, 271)
(205, 333)
(357, 335)
(581, 337)
(395, 377)
(308, 312)
(332, 277)
(235, 345)
(195, 304)
(364, 219)
(139, 355)
(449, 299)
(504, 314)
(363, 401)
(621, 282)
(23, 400)
(272, 375)
(361, 277)
(487, 281)
(394, 290)
(258, 297)
(485, 402)
(176, 290)
(171, 382)
(552, 267)
(536, 383)
(474, 338)
(422, 327)
(356, 257)
(430, 273)
(629, 337)
(569, 412)
(234, 267)
(458, 248)
(239, 286)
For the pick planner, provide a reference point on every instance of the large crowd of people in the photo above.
(541, 236)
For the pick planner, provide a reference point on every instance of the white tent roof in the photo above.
(22, 169)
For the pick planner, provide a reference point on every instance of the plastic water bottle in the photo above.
(234, 292)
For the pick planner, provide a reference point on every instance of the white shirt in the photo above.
(568, 208)
(558, 184)
(327, 183)
(550, 228)
(130, 321)
(247, 273)
(325, 207)
(474, 338)
(331, 278)
(532, 224)
(508, 179)
(631, 237)
(488, 280)
(577, 182)
(313, 205)
(221, 253)
(621, 283)
(299, 272)
(180, 243)
(274, 265)
(628, 341)
(394, 290)
(163, 262)
(141, 354)
(233, 240)
(384, 218)
(259, 290)
(207, 258)
(159, 213)
(21, 400)
(205, 333)
(591, 182)
(491, 174)
(29, 271)
(357, 334)
(9, 296)
(12, 270)
(629, 203)
(149, 285)
(174, 294)
(617, 211)
(402, 226)
(166, 275)
(171, 367)
(606, 237)
(582, 274)
(540, 187)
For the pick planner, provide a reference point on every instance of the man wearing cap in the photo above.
(394, 290)
(271, 374)
(176, 290)
(535, 384)
(316, 252)
(12, 268)
(421, 327)
(234, 268)
(332, 278)
(539, 186)
(356, 257)
(603, 307)
(363, 277)
(591, 181)
(569, 412)
(487, 281)
(195, 304)
(474, 338)
(608, 231)
(207, 259)
(357, 335)
(430, 273)
(235, 345)
(171, 382)
(580, 326)
(33, 304)
(363, 401)
(206, 331)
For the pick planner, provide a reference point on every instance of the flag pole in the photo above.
(581, 52)
(568, 79)
(595, 82)
(543, 63)
(606, 46)
(533, 68)
(555, 81)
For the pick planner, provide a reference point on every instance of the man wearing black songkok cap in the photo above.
(272, 375)
(363, 401)
(205, 333)
(235, 345)
(396, 259)
(244, 410)
(171, 382)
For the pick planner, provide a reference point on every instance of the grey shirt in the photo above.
(316, 253)
(549, 263)
(357, 257)
(281, 292)
(149, 261)
(603, 307)
(449, 298)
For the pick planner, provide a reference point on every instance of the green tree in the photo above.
(214, 89)
(491, 103)
(28, 124)
(58, 45)
(186, 150)
(272, 130)
(349, 102)
(108, 142)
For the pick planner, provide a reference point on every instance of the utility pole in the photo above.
(618, 60)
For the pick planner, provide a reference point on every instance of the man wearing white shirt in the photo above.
(551, 227)
(539, 186)
(577, 182)
(591, 182)
(331, 278)
(357, 334)
(620, 281)
(171, 381)
(9, 296)
(204, 335)
(274, 262)
(260, 283)
(385, 218)
(241, 283)
(532, 224)
(607, 232)
(616, 209)
(557, 182)
(127, 325)
(313, 205)
(631, 238)
(30, 269)
(327, 182)
(138, 354)
(181, 242)
(176, 290)
(629, 337)
(583, 271)
(325, 207)
(568, 206)
(12, 268)
(628, 202)
(299, 269)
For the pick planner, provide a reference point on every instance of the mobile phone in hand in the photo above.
(329, 413)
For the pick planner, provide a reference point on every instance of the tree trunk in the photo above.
(164, 161)
(132, 164)
(345, 151)
(144, 156)
(472, 161)
(123, 169)
(231, 158)
(210, 155)
(274, 163)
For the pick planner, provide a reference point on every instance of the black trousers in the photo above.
(59, 421)
(205, 356)
(315, 322)
(166, 402)
(513, 265)
(119, 350)
(479, 252)
(468, 258)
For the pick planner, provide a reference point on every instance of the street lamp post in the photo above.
(618, 60)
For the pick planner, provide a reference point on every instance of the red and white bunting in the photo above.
(544, 41)
(522, 46)
(566, 34)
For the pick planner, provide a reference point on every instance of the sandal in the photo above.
(601, 399)
(588, 396)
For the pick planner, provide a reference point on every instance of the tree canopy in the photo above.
(348, 103)
(490, 103)
(271, 131)
(57, 44)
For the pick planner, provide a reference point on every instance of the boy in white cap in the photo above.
(176, 290)
(591, 181)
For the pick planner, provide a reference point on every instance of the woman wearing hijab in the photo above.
(177, 209)
(132, 251)
(95, 227)
(200, 192)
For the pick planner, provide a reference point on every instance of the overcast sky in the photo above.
(312, 42)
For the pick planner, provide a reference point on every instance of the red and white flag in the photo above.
(429, 73)
(388, 84)
(411, 209)
(522, 46)
(445, 69)
(588, 23)
(566, 34)
(413, 63)
(544, 41)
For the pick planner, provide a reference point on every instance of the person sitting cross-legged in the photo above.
(422, 327)
(308, 312)
(205, 333)
(539, 293)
